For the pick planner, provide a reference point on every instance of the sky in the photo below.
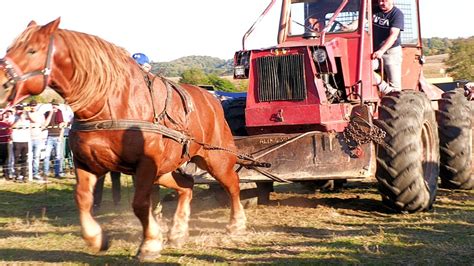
(167, 30)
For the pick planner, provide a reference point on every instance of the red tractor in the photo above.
(313, 110)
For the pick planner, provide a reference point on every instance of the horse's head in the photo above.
(28, 62)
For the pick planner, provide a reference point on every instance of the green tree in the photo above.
(194, 76)
(208, 64)
(461, 59)
(436, 45)
(220, 83)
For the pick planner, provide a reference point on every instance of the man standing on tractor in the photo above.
(388, 22)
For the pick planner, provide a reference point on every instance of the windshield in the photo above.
(314, 15)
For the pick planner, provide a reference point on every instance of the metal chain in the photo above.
(359, 131)
(242, 156)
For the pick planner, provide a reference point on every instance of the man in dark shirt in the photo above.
(388, 22)
(55, 122)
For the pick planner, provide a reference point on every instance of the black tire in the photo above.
(255, 193)
(264, 190)
(333, 185)
(408, 162)
(234, 112)
(455, 140)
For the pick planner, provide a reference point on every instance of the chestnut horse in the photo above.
(126, 121)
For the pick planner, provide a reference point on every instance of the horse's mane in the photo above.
(93, 56)
(100, 66)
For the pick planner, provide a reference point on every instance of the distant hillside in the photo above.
(221, 67)
(210, 65)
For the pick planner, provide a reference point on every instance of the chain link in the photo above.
(359, 131)
(242, 156)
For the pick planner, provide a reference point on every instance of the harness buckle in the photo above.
(46, 71)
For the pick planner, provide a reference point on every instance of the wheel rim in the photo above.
(428, 159)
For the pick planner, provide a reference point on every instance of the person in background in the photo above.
(315, 24)
(55, 124)
(99, 189)
(9, 117)
(20, 138)
(388, 22)
(68, 115)
(5, 138)
(38, 141)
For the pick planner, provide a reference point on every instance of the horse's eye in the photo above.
(31, 51)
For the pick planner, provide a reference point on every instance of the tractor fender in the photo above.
(432, 92)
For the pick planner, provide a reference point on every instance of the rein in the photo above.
(15, 75)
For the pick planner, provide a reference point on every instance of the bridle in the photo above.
(15, 75)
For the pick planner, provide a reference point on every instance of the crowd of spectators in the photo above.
(33, 137)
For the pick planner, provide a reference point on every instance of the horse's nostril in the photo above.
(7, 85)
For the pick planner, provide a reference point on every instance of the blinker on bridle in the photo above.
(11, 69)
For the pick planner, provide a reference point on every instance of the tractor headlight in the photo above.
(241, 64)
(320, 55)
(239, 71)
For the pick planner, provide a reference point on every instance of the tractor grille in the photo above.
(281, 78)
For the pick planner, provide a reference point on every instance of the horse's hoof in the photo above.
(105, 243)
(148, 256)
(236, 230)
(177, 242)
(150, 250)
(99, 243)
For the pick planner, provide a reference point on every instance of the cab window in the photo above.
(314, 15)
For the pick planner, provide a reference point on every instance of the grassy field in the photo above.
(39, 224)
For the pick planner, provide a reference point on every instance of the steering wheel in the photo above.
(335, 24)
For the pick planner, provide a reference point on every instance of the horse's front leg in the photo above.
(91, 231)
(152, 243)
(184, 186)
(220, 166)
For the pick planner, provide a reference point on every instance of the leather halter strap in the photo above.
(15, 74)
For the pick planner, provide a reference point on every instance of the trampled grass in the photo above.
(40, 225)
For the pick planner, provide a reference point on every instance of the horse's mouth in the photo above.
(6, 94)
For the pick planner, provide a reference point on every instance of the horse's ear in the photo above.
(32, 24)
(52, 26)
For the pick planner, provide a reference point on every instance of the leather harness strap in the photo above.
(133, 125)
(155, 126)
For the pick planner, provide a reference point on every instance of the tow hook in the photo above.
(278, 116)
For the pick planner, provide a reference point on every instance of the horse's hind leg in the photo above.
(221, 166)
(152, 243)
(184, 186)
(91, 231)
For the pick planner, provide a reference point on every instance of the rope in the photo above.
(32, 127)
